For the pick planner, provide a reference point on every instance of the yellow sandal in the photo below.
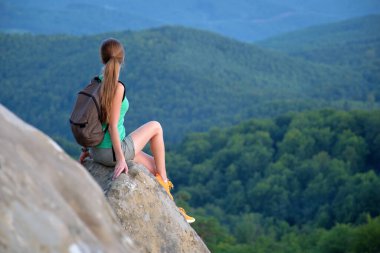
(167, 186)
(188, 218)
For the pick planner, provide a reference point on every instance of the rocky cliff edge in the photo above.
(145, 210)
(50, 203)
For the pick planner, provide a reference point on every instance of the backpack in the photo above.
(85, 119)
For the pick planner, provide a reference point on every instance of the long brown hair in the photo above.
(112, 54)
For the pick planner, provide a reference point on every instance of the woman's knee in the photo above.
(156, 126)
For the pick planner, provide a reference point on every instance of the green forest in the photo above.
(301, 182)
(272, 146)
(187, 79)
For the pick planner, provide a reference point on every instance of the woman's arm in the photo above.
(83, 156)
(121, 164)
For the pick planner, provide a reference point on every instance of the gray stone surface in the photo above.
(48, 201)
(146, 212)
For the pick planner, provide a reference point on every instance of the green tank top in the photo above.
(107, 143)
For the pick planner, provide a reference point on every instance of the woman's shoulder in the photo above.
(122, 86)
(120, 82)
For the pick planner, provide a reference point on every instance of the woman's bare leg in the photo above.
(147, 161)
(151, 132)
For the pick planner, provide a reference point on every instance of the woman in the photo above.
(117, 147)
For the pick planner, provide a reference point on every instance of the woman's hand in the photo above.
(83, 156)
(120, 166)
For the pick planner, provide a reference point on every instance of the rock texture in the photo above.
(48, 202)
(146, 212)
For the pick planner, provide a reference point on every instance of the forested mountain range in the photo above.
(301, 182)
(187, 79)
(355, 35)
(240, 19)
(353, 43)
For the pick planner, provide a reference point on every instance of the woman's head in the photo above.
(112, 49)
(112, 55)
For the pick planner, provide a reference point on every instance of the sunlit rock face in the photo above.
(146, 212)
(48, 201)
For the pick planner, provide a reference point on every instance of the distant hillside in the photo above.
(334, 43)
(187, 79)
(240, 19)
(353, 43)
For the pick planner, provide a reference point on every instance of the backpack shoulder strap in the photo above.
(124, 89)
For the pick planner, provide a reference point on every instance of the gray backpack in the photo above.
(85, 119)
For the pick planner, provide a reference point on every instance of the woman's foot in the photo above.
(188, 218)
(167, 185)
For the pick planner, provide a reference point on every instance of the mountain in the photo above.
(352, 43)
(187, 79)
(240, 19)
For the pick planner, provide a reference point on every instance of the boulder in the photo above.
(145, 210)
(48, 201)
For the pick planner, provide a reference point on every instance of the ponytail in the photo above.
(112, 54)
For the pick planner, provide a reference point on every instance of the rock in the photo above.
(145, 210)
(49, 202)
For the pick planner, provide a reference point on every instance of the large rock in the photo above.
(49, 202)
(146, 212)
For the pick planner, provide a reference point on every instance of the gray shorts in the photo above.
(106, 156)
